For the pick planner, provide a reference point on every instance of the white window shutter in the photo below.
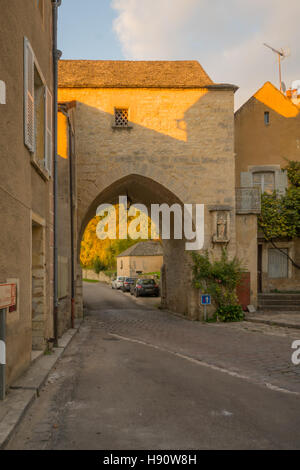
(246, 179)
(48, 131)
(29, 124)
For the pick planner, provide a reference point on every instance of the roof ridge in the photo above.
(126, 60)
(132, 74)
(137, 247)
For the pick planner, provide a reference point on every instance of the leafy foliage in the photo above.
(106, 250)
(219, 278)
(98, 265)
(293, 171)
(228, 313)
(280, 216)
(155, 274)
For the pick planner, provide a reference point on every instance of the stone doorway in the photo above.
(38, 284)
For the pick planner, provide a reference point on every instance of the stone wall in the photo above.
(246, 233)
(179, 148)
(91, 275)
(129, 265)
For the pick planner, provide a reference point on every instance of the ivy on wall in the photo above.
(220, 279)
(280, 216)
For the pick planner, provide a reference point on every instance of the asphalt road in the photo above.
(138, 378)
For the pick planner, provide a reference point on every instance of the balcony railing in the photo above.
(248, 201)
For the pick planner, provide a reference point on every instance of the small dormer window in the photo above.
(267, 118)
(121, 117)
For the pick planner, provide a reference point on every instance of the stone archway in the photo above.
(178, 294)
(178, 143)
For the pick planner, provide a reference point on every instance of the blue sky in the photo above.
(85, 30)
(226, 37)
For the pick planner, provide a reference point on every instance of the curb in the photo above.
(295, 326)
(26, 389)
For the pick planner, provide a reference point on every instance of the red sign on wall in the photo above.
(243, 291)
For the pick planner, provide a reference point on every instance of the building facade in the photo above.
(26, 143)
(66, 217)
(267, 134)
(142, 258)
(158, 132)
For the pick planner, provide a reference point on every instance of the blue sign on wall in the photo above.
(205, 300)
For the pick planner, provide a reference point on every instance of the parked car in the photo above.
(146, 287)
(118, 282)
(128, 282)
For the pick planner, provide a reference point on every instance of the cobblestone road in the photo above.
(135, 377)
(260, 352)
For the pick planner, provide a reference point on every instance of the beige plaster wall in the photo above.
(22, 189)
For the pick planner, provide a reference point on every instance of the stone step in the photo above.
(272, 296)
(278, 302)
(280, 308)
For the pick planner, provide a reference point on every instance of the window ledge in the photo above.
(122, 127)
(39, 168)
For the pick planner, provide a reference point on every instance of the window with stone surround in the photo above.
(277, 263)
(121, 117)
(265, 177)
(37, 112)
(265, 181)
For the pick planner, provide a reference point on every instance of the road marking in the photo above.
(207, 365)
(222, 413)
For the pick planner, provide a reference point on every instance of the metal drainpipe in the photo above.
(56, 57)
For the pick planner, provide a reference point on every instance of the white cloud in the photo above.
(226, 37)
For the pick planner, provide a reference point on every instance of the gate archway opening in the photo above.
(177, 293)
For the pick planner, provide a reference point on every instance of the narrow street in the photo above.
(135, 377)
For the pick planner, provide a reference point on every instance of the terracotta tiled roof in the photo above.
(149, 248)
(132, 74)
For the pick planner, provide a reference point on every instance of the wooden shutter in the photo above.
(48, 131)
(246, 180)
(29, 121)
(281, 182)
